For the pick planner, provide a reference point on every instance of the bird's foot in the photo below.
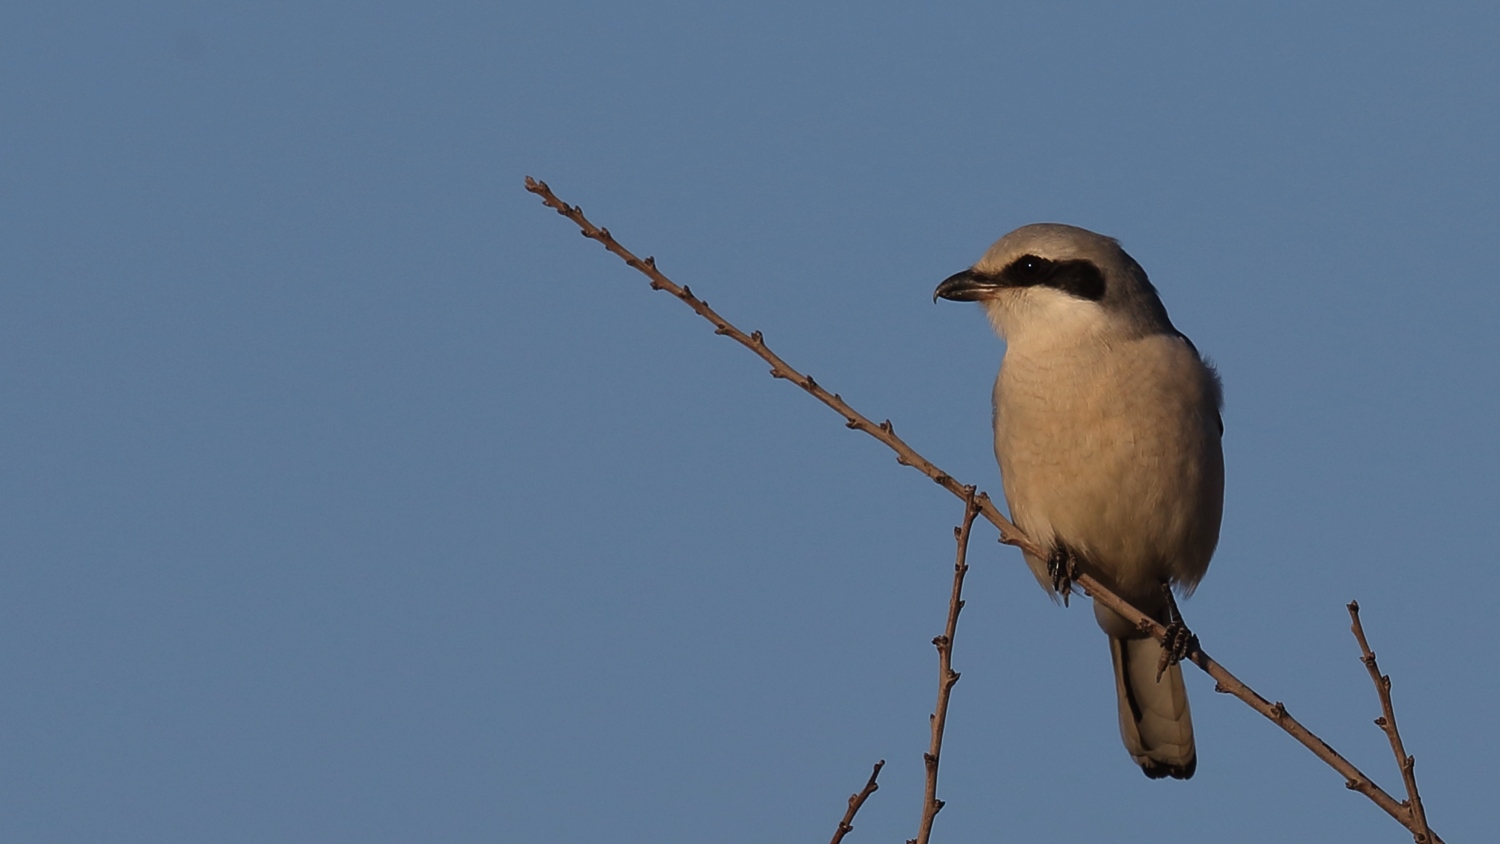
(1062, 568)
(1179, 641)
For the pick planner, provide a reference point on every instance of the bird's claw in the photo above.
(1062, 568)
(1179, 641)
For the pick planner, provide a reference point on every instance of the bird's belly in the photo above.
(1125, 477)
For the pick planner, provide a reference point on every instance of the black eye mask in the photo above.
(1079, 277)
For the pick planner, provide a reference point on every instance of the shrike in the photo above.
(1107, 431)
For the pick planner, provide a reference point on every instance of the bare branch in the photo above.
(947, 677)
(1387, 722)
(755, 342)
(1225, 682)
(1354, 779)
(855, 801)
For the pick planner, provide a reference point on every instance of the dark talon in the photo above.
(1179, 641)
(1062, 568)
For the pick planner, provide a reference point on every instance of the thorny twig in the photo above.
(755, 342)
(1226, 682)
(1387, 722)
(855, 801)
(946, 675)
(1354, 778)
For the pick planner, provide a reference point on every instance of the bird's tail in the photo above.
(1155, 722)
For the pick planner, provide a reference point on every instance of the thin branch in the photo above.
(855, 801)
(1387, 722)
(947, 677)
(755, 342)
(1354, 779)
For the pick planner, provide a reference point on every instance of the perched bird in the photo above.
(1107, 431)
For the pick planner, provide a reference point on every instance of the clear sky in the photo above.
(350, 495)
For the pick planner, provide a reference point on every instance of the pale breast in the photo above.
(1115, 452)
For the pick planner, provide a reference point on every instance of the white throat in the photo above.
(1034, 319)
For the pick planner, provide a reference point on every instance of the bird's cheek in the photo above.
(998, 312)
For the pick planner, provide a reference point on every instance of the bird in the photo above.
(1108, 434)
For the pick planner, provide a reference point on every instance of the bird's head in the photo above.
(1057, 281)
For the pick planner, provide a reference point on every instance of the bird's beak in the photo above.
(967, 286)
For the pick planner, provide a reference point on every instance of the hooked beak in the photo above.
(967, 286)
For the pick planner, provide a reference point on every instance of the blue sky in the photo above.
(350, 495)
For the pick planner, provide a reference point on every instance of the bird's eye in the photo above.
(1027, 266)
